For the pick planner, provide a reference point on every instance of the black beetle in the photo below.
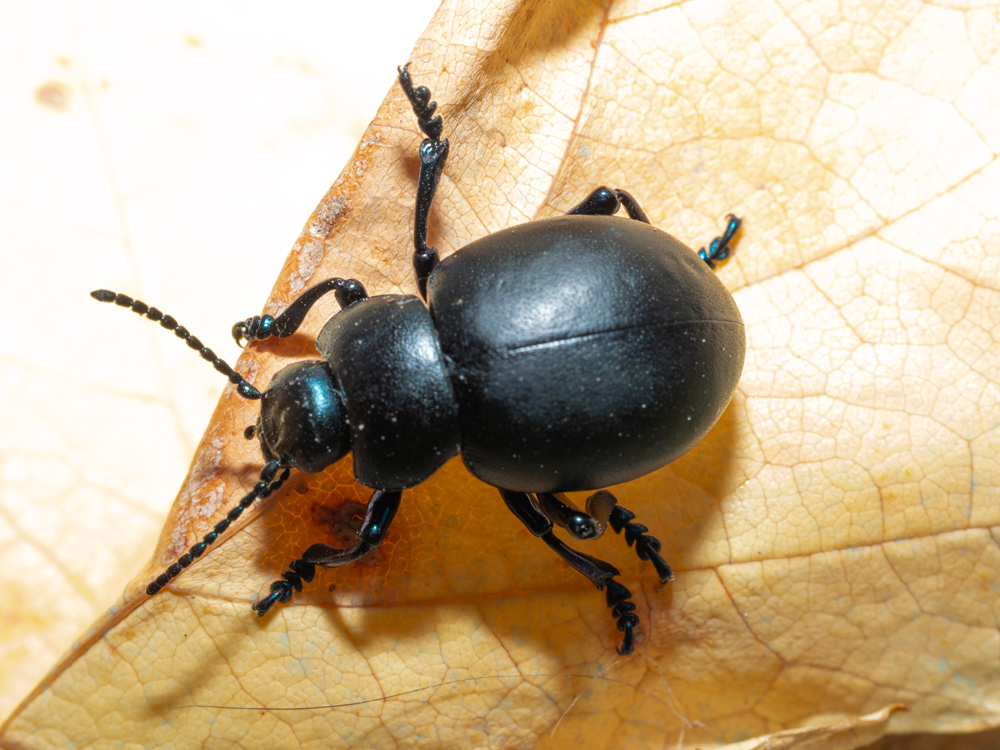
(569, 353)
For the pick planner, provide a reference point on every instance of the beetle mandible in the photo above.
(569, 353)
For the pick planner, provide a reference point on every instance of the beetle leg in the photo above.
(718, 249)
(520, 504)
(605, 201)
(631, 207)
(260, 327)
(601, 202)
(433, 152)
(599, 572)
(618, 597)
(600, 505)
(382, 507)
(646, 547)
(563, 512)
(603, 510)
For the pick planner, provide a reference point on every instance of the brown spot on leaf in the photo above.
(53, 95)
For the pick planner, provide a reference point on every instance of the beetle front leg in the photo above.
(382, 507)
(433, 153)
(260, 327)
(605, 201)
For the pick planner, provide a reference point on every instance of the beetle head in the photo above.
(303, 418)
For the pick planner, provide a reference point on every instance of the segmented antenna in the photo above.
(166, 321)
(262, 489)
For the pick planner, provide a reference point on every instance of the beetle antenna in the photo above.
(166, 321)
(267, 484)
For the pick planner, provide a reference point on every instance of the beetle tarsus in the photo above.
(646, 547)
(617, 597)
(298, 572)
(420, 100)
(280, 591)
(719, 251)
(256, 328)
(627, 642)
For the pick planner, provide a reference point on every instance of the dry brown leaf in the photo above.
(855, 732)
(170, 156)
(833, 534)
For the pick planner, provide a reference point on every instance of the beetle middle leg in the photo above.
(433, 152)
(605, 201)
(382, 507)
(602, 511)
(589, 524)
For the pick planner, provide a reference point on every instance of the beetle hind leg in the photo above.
(605, 201)
(522, 506)
(718, 250)
(646, 547)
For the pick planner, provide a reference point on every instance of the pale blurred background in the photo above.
(169, 152)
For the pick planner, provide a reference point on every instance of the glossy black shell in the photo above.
(584, 351)
(401, 411)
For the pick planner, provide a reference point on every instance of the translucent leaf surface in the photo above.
(123, 136)
(834, 533)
